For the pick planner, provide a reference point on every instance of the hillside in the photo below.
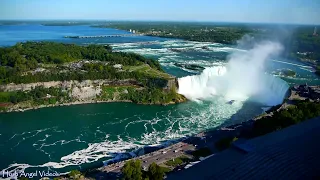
(40, 74)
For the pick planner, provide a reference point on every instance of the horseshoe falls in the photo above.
(83, 136)
(243, 78)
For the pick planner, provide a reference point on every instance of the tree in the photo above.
(13, 99)
(132, 170)
(75, 174)
(155, 172)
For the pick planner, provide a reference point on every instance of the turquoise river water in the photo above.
(82, 136)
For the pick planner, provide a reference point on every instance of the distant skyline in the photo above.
(252, 11)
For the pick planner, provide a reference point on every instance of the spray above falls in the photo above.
(243, 78)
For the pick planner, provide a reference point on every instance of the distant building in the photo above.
(133, 31)
(117, 66)
(315, 31)
(130, 30)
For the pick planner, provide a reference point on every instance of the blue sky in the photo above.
(270, 11)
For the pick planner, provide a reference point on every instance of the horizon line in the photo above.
(140, 20)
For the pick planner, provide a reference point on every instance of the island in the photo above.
(44, 74)
(286, 72)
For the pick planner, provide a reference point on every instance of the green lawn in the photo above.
(108, 92)
(148, 71)
(5, 96)
(177, 161)
(165, 169)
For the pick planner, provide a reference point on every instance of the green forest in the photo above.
(65, 62)
(152, 96)
(17, 62)
(300, 112)
(132, 170)
(188, 31)
(39, 95)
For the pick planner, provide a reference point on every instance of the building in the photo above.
(315, 31)
(118, 66)
(290, 153)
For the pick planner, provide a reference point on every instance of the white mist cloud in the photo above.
(243, 78)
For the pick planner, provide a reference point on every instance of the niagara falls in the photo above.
(106, 119)
(242, 78)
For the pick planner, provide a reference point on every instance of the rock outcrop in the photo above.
(67, 84)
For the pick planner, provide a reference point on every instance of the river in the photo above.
(65, 138)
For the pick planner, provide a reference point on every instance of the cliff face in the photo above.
(173, 84)
(92, 91)
(67, 84)
(166, 84)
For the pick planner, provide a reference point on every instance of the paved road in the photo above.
(184, 148)
(158, 157)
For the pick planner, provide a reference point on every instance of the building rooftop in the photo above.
(291, 153)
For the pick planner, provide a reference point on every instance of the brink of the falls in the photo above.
(243, 78)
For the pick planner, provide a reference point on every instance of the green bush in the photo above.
(284, 118)
(151, 95)
(3, 108)
(165, 169)
(75, 174)
(23, 178)
(132, 170)
(52, 100)
(177, 161)
(155, 172)
(5, 96)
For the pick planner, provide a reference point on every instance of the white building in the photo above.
(118, 66)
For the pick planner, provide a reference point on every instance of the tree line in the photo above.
(23, 57)
(295, 39)
(151, 95)
(227, 34)
(281, 119)
(132, 170)
(38, 95)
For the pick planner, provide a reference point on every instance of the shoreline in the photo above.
(88, 102)
(57, 105)
(211, 136)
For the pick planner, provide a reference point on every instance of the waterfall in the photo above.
(243, 78)
(268, 90)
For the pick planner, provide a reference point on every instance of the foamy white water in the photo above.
(242, 78)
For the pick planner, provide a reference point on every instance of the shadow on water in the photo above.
(229, 128)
